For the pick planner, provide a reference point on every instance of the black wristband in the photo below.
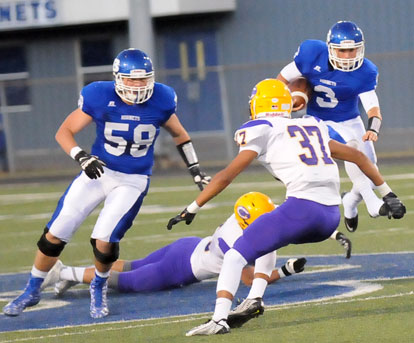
(374, 124)
(194, 169)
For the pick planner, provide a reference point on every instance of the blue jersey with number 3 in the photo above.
(335, 93)
(125, 134)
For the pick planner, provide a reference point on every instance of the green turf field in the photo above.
(386, 315)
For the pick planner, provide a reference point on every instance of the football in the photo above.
(301, 91)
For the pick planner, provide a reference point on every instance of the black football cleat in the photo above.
(351, 224)
(248, 309)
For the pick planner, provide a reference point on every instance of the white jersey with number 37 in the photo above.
(296, 152)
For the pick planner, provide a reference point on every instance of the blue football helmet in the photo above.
(133, 64)
(345, 35)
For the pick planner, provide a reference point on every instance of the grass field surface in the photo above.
(384, 313)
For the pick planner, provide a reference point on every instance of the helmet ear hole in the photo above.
(250, 206)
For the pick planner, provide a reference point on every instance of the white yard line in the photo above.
(186, 318)
(8, 199)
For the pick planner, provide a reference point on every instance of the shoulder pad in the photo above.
(167, 96)
(251, 130)
(368, 74)
(307, 53)
(95, 95)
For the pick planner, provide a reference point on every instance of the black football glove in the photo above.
(184, 215)
(91, 164)
(392, 207)
(200, 178)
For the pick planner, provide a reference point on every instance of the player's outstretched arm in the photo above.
(219, 182)
(346, 153)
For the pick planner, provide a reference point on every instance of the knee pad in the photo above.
(48, 248)
(106, 258)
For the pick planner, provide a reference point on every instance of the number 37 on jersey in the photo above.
(306, 141)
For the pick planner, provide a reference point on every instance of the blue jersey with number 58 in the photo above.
(335, 93)
(125, 134)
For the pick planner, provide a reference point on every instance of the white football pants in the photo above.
(122, 195)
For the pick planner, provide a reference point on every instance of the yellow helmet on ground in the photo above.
(251, 206)
(270, 98)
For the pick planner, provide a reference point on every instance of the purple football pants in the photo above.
(296, 221)
(168, 267)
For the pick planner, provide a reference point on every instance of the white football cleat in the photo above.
(210, 328)
(62, 286)
(52, 276)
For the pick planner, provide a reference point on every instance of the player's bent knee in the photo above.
(48, 248)
(236, 257)
(106, 258)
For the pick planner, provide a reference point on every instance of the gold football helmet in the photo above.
(270, 98)
(251, 206)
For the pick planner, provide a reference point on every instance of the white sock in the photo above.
(333, 236)
(72, 273)
(287, 269)
(38, 273)
(372, 202)
(362, 185)
(104, 275)
(222, 309)
(350, 202)
(258, 288)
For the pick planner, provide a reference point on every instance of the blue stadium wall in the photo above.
(241, 48)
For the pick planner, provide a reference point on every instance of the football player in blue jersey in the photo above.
(340, 76)
(128, 114)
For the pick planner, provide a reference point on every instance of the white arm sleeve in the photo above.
(290, 72)
(369, 100)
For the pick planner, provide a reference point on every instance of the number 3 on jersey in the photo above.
(330, 100)
(306, 132)
(144, 135)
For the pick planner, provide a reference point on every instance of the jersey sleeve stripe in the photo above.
(255, 123)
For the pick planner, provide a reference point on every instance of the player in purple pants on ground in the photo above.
(186, 261)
